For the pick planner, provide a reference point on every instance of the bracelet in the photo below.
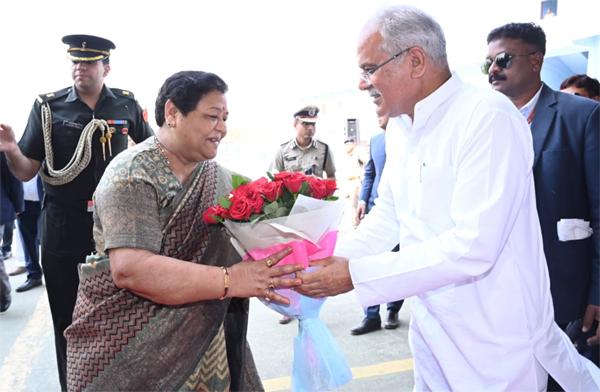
(226, 282)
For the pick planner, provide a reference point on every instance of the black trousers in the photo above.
(66, 241)
(29, 225)
(7, 237)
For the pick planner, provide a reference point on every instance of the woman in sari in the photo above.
(163, 306)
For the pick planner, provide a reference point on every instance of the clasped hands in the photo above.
(261, 277)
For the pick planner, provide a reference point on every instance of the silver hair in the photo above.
(404, 26)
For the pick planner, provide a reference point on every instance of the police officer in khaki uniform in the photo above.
(304, 153)
(71, 136)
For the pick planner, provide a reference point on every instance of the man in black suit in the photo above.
(11, 203)
(565, 131)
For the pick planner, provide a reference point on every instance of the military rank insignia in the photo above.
(124, 129)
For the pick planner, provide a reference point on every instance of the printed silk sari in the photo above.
(121, 341)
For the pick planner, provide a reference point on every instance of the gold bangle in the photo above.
(226, 282)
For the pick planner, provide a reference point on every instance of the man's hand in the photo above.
(361, 208)
(7, 138)
(592, 312)
(332, 278)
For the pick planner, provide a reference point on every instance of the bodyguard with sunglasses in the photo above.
(565, 132)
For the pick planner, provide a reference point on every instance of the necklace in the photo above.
(162, 150)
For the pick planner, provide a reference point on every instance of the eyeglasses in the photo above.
(366, 74)
(503, 60)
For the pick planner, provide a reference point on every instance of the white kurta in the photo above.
(457, 193)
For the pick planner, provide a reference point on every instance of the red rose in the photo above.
(256, 202)
(240, 209)
(283, 175)
(292, 181)
(211, 213)
(317, 187)
(257, 184)
(331, 187)
(252, 194)
(271, 190)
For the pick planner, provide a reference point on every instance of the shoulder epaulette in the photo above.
(283, 144)
(50, 96)
(123, 93)
(320, 142)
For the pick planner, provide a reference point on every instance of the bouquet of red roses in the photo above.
(290, 209)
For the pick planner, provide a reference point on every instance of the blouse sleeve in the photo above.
(127, 211)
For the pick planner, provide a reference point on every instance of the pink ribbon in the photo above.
(303, 251)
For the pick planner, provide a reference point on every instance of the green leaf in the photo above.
(271, 177)
(287, 197)
(271, 208)
(237, 180)
(256, 217)
(304, 189)
(331, 198)
(224, 202)
(281, 211)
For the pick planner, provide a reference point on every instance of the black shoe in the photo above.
(285, 320)
(5, 302)
(366, 326)
(29, 284)
(392, 320)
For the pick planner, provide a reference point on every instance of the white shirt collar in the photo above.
(428, 105)
(530, 106)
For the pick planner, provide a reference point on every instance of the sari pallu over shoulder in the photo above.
(121, 341)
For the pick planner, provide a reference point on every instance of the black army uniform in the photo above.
(66, 210)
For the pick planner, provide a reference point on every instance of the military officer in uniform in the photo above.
(71, 136)
(305, 153)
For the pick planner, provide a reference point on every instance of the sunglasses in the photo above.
(503, 60)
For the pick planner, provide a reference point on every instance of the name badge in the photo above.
(71, 124)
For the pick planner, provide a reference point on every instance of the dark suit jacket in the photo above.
(566, 168)
(373, 169)
(11, 193)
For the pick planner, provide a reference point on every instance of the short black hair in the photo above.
(530, 33)
(185, 89)
(591, 85)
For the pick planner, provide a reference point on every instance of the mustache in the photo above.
(493, 78)
(373, 93)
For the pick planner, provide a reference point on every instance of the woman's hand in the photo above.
(261, 277)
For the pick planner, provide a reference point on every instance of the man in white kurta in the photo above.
(457, 193)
